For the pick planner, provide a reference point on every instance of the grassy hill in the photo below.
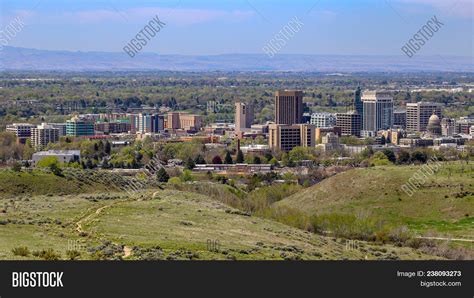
(163, 224)
(444, 204)
(41, 183)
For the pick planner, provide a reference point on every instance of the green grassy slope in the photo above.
(444, 204)
(41, 183)
(167, 224)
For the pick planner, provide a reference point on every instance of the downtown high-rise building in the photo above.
(44, 134)
(149, 123)
(400, 118)
(419, 113)
(350, 123)
(289, 107)
(377, 112)
(243, 116)
(357, 104)
(183, 121)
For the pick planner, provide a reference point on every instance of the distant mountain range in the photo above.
(14, 58)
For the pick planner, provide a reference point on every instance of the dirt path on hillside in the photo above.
(446, 239)
(88, 217)
(127, 251)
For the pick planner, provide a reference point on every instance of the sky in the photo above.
(210, 27)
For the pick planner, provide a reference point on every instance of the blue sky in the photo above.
(373, 27)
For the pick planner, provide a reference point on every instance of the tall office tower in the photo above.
(150, 123)
(350, 123)
(158, 123)
(357, 104)
(400, 118)
(144, 123)
(286, 137)
(419, 113)
(173, 120)
(288, 107)
(243, 116)
(378, 112)
(323, 119)
(44, 134)
(21, 130)
(133, 118)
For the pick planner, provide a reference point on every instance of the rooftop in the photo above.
(59, 152)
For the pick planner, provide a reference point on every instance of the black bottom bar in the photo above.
(244, 279)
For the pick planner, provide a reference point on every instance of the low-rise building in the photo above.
(234, 168)
(329, 142)
(415, 142)
(80, 126)
(320, 132)
(21, 130)
(448, 127)
(63, 156)
(323, 119)
(112, 127)
(286, 137)
(463, 125)
(255, 148)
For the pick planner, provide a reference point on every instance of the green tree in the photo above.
(200, 160)
(105, 164)
(89, 164)
(228, 158)
(257, 160)
(217, 160)
(28, 150)
(186, 176)
(108, 148)
(274, 162)
(162, 175)
(47, 162)
(390, 155)
(379, 159)
(403, 157)
(16, 166)
(189, 164)
(367, 152)
(240, 157)
(419, 156)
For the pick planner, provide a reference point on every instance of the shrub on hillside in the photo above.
(22, 251)
(73, 254)
(47, 254)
